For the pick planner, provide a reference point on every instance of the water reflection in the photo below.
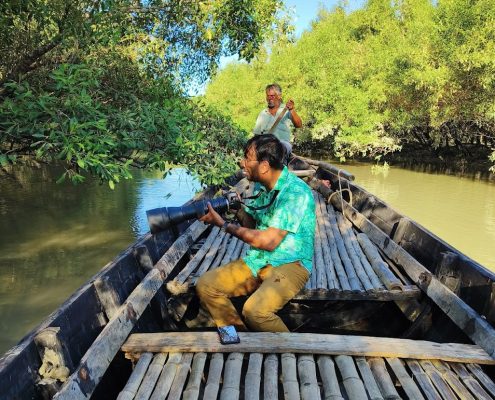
(54, 237)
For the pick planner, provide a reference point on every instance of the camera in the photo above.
(160, 219)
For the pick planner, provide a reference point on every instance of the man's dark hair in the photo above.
(267, 148)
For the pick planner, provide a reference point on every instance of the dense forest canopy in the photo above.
(374, 80)
(100, 85)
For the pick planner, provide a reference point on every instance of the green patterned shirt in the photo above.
(294, 211)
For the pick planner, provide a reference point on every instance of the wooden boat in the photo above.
(390, 311)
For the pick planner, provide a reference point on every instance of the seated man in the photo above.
(279, 225)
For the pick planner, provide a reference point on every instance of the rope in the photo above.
(341, 191)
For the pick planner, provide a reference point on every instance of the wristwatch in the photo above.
(224, 226)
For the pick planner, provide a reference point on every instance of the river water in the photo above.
(54, 237)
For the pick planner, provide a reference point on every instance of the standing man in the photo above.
(279, 225)
(269, 115)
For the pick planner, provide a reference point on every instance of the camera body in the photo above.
(160, 219)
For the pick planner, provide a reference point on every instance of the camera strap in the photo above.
(274, 196)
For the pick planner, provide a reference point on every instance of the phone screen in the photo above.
(228, 335)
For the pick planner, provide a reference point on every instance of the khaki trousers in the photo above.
(270, 291)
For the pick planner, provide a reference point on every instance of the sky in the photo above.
(304, 12)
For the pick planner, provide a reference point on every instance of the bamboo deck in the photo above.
(346, 265)
(312, 375)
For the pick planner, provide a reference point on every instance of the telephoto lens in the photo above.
(160, 219)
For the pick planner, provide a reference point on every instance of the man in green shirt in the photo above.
(279, 225)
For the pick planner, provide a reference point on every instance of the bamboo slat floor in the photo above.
(346, 265)
(301, 376)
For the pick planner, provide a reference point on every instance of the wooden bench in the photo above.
(194, 365)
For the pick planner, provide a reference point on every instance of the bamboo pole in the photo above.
(464, 316)
(151, 377)
(214, 377)
(270, 377)
(437, 379)
(383, 379)
(176, 286)
(244, 250)
(349, 268)
(423, 380)
(307, 376)
(167, 376)
(379, 266)
(350, 378)
(368, 379)
(452, 380)
(180, 376)
(405, 380)
(132, 385)
(95, 362)
(231, 377)
(253, 377)
(238, 248)
(289, 376)
(482, 377)
(472, 384)
(342, 280)
(327, 257)
(221, 252)
(321, 278)
(210, 255)
(375, 281)
(351, 251)
(194, 382)
(229, 254)
(331, 388)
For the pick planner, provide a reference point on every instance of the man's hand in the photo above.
(212, 217)
(290, 105)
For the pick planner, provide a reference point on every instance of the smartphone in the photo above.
(228, 335)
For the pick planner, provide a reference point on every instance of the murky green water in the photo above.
(461, 211)
(54, 237)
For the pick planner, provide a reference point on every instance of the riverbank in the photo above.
(472, 163)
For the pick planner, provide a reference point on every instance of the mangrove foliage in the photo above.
(101, 86)
(392, 74)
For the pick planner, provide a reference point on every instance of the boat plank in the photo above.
(464, 316)
(95, 362)
(267, 342)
